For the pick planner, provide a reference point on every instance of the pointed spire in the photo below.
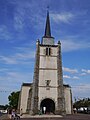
(47, 39)
(47, 28)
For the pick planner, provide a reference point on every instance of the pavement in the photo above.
(66, 117)
(50, 117)
(4, 117)
(40, 116)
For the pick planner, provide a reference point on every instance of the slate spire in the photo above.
(47, 28)
(47, 39)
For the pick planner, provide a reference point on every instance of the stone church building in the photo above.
(47, 94)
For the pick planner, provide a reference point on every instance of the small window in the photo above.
(48, 51)
(48, 83)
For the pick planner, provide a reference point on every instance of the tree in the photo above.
(13, 99)
(4, 107)
(82, 103)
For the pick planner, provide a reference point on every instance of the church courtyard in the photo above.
(67, 117)
(52, 117)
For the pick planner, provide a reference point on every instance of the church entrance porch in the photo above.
(47, 106)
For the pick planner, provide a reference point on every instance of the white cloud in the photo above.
(75, 77)
(27, 14)
(83, 74)
(3, 69)
(81, 90)
(18, 22)
(13, 74)
(16, 78)
(18, 58)
(8, 60)
(19, 77)
(71, 77)
(20, 16)
(70, 45)
(62, 17)
(25, 56)
(86, 71)
(4, 88)
(66, 76)
(72, 71)
(4, 33)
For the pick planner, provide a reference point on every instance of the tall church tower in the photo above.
(47, 88)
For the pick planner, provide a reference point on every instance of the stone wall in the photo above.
(34, 100)
(47, 71)
(24, 98)
(68, 100)
(61, 100)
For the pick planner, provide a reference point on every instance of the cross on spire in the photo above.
(48, 8)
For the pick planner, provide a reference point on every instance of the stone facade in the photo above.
(68, 99)
(47, 83)
(48, 73)
(47, 94)
(26, 93)
(34, 100)
(61, 99)
(24, 96)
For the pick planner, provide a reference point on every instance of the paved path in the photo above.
(41, 116)
(4, 117)
(67, 117)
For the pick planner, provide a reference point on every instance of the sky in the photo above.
(22, 22)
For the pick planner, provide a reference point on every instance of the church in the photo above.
(46, 94)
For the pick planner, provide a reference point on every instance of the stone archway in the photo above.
(49, 104)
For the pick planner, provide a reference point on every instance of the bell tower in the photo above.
(47, 89)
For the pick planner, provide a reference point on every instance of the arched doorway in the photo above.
(49, 106)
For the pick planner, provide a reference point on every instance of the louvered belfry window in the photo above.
(48, 51)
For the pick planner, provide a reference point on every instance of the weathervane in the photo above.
(48, 8)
